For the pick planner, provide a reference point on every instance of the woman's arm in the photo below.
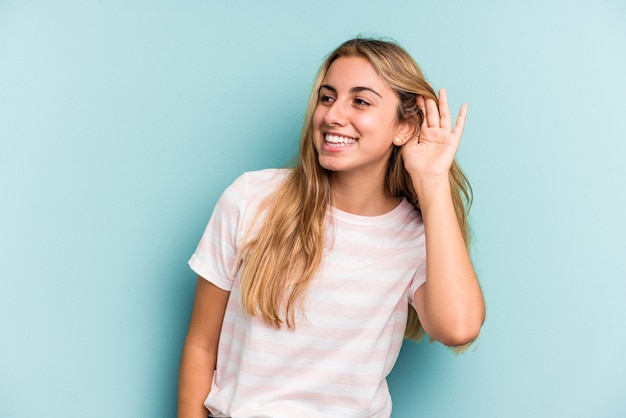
(450, 304)
(200, 350)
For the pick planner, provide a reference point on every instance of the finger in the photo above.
(460, 121)
(432, 113)
(444, 110)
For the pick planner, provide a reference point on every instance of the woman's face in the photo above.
(355, 120)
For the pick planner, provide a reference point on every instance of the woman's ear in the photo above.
(405, 133)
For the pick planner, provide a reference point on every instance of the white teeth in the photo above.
(339, 140)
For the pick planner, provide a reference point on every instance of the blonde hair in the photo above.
(279, 262)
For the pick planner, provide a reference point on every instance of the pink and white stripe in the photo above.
(349, 333)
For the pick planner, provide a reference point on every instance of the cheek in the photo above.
(316, 123)
(370, 125)
(318, 117)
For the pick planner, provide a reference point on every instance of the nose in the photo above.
(335, 115)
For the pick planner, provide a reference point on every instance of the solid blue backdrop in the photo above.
(122, 122)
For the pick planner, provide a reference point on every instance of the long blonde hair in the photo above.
(279, 262)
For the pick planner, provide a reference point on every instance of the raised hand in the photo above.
(432, 152)
(450, 304)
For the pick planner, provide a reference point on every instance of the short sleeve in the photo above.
(418, 280)
(216, 253)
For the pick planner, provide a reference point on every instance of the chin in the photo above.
(326, 166)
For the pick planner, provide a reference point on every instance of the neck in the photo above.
(361, 195)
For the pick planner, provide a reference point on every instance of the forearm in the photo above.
(199, 357)
(453, 305)
(194, 381)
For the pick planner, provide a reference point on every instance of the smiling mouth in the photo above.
(338, 141)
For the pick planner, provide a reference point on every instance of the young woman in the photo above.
(310, 277)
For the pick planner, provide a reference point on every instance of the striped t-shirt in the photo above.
(334, 363)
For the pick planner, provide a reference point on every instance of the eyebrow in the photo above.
(356, 89)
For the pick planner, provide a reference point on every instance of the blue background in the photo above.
(122, 122)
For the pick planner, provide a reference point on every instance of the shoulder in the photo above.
(409, 213)
(262, 178)
(253, 186)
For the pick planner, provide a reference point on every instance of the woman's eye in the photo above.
(361, 102)
(325, 99)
